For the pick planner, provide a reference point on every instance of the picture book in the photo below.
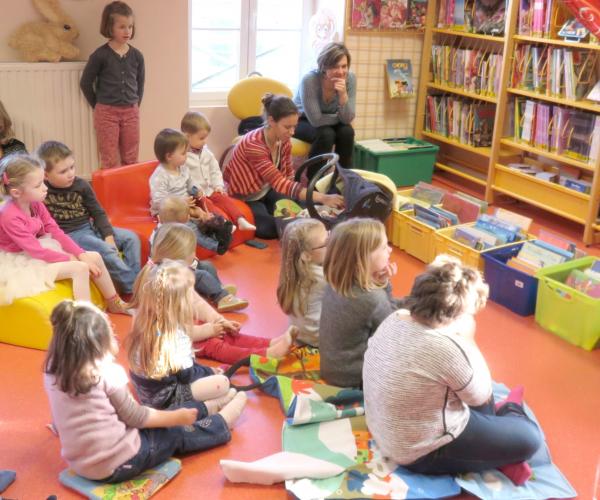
(393, 14)
(458, 19)
(518, 220)
(582, 282)
(556, 240)
(399, 77)
(573, 30)
(465, 210)
(416, 13)
(538, 256)
(483, 125)
(365, 14)
(489, 17)
(427, 192)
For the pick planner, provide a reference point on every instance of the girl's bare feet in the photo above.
(232, 410)
(214, 405)
(281, 346)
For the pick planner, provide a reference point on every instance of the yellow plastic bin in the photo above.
(564, 311)
(418, 238)
(444, 243)
(395, 223)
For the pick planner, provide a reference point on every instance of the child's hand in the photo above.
(386, 273)
(232, 327)
(185, 416)
(111, 241)
(218, 328)
(90, 260)
(191, 201)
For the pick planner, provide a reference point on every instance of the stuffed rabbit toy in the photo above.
(47, 40)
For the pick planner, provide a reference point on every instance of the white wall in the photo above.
(162, 36)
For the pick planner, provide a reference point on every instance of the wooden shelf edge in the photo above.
(553, 156)
(585, 105)
(472, 149)
(551, 185)
(465, 93)
(553, 41)
(461, 173)
(543, 206)
(468, 34)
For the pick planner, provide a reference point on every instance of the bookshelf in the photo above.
(487, 166)
(553, 197)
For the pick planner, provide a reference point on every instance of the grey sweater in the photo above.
(309, 100)
(346, 325)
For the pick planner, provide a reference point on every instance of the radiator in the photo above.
(45, 103)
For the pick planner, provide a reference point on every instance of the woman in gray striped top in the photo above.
(428, 390)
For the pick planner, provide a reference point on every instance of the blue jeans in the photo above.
(207, 282)
(160, 444)
(122, 270)
(490, 440)
(203, 240)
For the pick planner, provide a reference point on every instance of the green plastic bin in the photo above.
(564, 311)
(404, 167)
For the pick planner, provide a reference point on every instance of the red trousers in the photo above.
(231, 348)
(221, 204)
(117, 133)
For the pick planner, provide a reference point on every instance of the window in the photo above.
(243, 36)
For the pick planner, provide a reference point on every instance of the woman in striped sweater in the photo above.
(260, 171)
(428, 389)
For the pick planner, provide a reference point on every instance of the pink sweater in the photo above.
(94, 435)
(19, 232)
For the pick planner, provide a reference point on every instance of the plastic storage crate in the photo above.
(564, 311)
(395, 223)
(509, 287)
(404, 167)
(444, 243)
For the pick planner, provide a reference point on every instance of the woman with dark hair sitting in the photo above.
(428, 389)
(326, 100)
(260, 170)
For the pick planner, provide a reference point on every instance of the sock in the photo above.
(244, 225)
(517, 473)
(514, 396)
(232, 410)
(214, 405)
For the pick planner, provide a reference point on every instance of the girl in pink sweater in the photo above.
(34, 251)
(104, 433)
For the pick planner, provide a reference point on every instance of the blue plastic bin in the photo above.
(508, 286)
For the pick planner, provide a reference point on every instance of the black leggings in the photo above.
(323, 139)
(263, 214)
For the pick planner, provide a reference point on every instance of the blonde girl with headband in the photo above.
(301, 281)
(104, 433)
(214, 336)
(357, 298)
(34, 251)
(161, 357)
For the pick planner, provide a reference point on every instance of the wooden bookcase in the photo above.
(487, 166)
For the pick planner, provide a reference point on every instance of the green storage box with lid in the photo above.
(405, 160)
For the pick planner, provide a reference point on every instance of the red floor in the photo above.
(561, 385)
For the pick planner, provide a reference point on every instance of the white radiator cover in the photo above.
(45, 103)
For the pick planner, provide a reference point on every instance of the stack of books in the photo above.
(493, 230)
(586, 281)
(535, 17)
(423, 195)
(473, 70)
(547, 250)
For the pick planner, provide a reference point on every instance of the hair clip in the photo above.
(150, 262)
(5, 179)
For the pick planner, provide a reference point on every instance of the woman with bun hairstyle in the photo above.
(260, 171)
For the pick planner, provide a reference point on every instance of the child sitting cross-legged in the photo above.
(104, 433)
(208, 284)
(172, 178)
(34, 251)
(205, 172)
(161, 359)
(215, 337)
(73, 204)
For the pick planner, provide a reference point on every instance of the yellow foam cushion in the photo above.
(26, 322)
(300, 148)
(244, 98)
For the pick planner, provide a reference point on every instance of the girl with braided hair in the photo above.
(301, 281)
(163, 370)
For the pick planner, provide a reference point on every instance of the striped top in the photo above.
(418, 385)
(251, 168)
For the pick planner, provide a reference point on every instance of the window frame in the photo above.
(248, 37)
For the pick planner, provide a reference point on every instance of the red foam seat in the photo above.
(125, 195)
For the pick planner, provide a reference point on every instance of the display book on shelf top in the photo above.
(548, 119)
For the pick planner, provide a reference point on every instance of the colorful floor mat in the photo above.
(325, 429)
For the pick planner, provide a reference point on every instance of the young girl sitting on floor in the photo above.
(428, 389)
(217, 338)
(357, 298)
(301, 281)
(34, 251)
(161, 358)
(104, 433)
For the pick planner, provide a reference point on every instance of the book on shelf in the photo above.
(536, 17)
(573, 31)
(399, 78)
(365, 14)
(489, 17)
(483, 124)
(579, 185)
(594, 93)
(393, 14)
(417, 9)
